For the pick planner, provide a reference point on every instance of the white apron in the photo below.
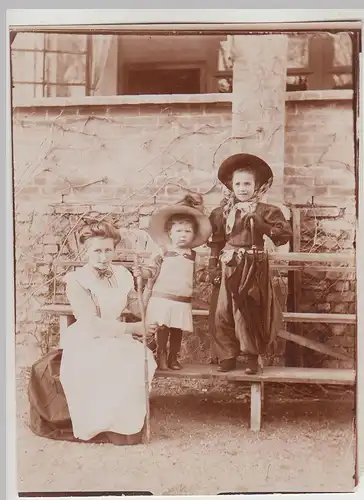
(103, 378)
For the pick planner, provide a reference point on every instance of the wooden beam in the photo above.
(344, 257)
(276, 374)
(314, 345)
(349, 319)
(299, 317)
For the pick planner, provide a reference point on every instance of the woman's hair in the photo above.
(99, 230)
(180, 219)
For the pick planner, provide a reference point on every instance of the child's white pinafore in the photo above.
(174, 281)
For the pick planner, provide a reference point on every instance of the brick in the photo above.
(321, 191)
(341, 297)
(300, 181)
(51, 249)
(340, 308)
(339, 329)
(43, 269)
(341, 191)
(30, 191)
(298, 171)
(342, 286)
(325, 307)
(50, 239)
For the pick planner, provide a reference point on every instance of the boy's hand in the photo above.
(258, 223)
(214, 276)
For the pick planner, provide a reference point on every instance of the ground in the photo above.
(201, 443)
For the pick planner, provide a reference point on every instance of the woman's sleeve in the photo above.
(280, 229)
(84, 310)
(217, 239)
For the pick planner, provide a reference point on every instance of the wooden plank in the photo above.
(304, 267)
(276, 374)
(255, 406)
(344, 257)
(349, 319)
(347, 257)
(314, 345)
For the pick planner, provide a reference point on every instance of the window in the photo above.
(162, 80)
(50, 65)
(68, 65)
(315, 62)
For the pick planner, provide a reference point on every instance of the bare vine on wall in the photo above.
(40, 287)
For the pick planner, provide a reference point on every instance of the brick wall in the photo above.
(128, 159)
(319, 168)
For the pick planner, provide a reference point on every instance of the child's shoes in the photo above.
(173, 363)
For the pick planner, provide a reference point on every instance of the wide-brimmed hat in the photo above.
(243, 161)
(192, 205)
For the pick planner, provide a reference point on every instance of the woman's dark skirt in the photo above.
(49, 413)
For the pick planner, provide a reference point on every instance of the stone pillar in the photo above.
(258, 107)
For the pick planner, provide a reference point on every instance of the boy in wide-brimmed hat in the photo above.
(248, 315)
(177, 229)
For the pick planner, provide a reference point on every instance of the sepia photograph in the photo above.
(185, 206)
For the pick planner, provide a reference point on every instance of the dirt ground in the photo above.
(201, 443)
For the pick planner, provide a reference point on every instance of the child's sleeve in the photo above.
(280, 229)
(217, 239)
(152, 266)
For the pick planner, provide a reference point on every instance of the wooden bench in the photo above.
(288, 375)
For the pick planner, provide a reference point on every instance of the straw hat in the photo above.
(192, 205)
(243, 161)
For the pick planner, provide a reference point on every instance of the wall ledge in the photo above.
(321, 95)
(125, 100)
(130, 100)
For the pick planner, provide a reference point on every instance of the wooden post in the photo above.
(258, 107)
(256, 406)
(293, 351)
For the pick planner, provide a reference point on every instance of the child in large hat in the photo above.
(177, 229)
(248, 315)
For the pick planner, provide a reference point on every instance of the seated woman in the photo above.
(93, 388)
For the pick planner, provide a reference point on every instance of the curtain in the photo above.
(101, 48)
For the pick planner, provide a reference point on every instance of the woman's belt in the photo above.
(170, 296)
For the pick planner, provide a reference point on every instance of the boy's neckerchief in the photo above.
(245, 207)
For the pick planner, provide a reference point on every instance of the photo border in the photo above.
(89, 16)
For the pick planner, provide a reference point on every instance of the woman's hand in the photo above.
(137, 271)
(137, 329)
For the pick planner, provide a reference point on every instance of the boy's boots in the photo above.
(252, 365)
(162, 335)
(175, 341)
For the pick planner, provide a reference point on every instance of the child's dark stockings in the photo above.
(168, 360)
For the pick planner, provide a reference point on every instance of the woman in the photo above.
(102, 392)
